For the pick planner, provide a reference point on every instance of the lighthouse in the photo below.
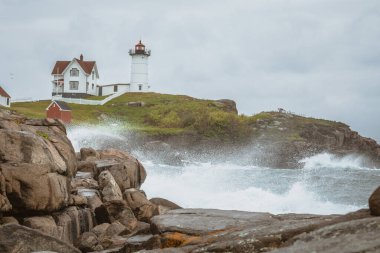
(139, 68)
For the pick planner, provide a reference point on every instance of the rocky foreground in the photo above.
(52, 199)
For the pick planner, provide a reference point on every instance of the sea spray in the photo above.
(233, 187)
(327, 184)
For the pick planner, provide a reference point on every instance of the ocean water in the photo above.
(325, 185)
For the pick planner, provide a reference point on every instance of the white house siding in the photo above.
(92, 91)
(81, 79)
(123, 88)
(139, 73)
(109, 89)
(3, 101)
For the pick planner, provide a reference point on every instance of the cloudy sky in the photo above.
(318, 58)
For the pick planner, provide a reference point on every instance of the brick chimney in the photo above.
(81, 57)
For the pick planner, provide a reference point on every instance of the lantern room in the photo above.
(139, 49)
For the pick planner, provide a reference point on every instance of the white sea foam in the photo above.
(326, 160)
(206, 186)
(326, 185)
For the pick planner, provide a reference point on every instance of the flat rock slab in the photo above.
(209, 230)
(204, 221)
(20, 239)
(352, 236)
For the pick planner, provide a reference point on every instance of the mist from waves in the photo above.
(326, 184)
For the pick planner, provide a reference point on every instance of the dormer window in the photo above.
(74, 72)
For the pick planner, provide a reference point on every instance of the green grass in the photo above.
(96, 97)
(164, 114)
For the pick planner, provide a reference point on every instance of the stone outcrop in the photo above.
(37, 162)
(202, 230)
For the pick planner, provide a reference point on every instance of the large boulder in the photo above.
(88, 154)
(116, 210)
(36, 162)
(143, 209)
(20, 239)
(374, 202)
(129, 172)
(34, 187)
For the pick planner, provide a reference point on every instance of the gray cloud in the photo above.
(317, 58)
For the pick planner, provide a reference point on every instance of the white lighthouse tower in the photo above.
(139, 68)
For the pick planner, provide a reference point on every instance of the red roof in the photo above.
(3, 93)
(60, 66)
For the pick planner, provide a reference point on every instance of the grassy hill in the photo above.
(160, 114)
(163, 114)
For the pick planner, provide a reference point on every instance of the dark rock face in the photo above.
(20, 239)
(72, 222)
(116, 210)
(374, 202)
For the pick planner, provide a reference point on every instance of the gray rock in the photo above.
(20, 239)
(203, 221)
(352, 236)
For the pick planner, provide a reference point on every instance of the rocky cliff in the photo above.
(54, 200)
(276, 139)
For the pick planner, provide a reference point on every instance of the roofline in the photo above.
(52, 102)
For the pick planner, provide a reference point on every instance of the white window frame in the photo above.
(74, 72)
(74, 85)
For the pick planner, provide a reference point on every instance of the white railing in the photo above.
(88, 101)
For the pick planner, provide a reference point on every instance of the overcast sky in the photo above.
(318, 58)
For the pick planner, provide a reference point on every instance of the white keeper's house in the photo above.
(79, 78)
(76, 78)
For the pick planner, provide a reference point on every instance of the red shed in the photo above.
(59, 110)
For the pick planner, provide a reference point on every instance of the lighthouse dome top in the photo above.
(139, 49)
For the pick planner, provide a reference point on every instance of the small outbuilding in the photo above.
(59, 110)
(5, 99)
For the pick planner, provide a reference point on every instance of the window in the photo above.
(74, 85)
(140, 87)
(7, 101)
(93, 74)
(115, 88)
(87, 84)
(92, 86)
(74, 72)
